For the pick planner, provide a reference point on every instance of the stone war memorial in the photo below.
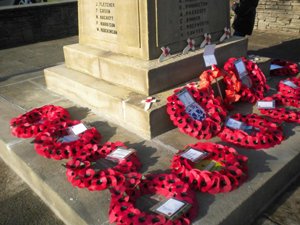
(115, 65)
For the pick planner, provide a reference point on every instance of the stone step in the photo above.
(113, 102)
(147, 77)
(270, 171)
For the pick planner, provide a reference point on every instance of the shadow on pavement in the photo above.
(287, 50)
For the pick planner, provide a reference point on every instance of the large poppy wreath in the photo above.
(81, 171)
(231, 173)
(123, 210)
(240, 91)
(28, 125)
(282, 114)
(50, 144)
(290, 87)
(287, 68)
(207, 128)
(265, 134)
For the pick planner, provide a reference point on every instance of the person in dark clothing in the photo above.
(245, 12)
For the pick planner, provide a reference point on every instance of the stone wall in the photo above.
(37, 22)
(278, 15)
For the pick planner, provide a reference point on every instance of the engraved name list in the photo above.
(105, 17)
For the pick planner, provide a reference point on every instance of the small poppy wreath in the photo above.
(288, 68)
(240, 91)
(289, 91)
(208, 76)
(122, 207)
(28, 125)
(48, 144)
(82, 173)
(215, 113)
(232, 174)
(282, 114)
(267, 135)
(233, 84)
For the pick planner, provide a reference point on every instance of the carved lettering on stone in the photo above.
(105, 17)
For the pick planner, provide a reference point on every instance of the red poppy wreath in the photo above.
(124, 212)
(248, 87)
(281, 114)
(59, 144)
(287, 68)
(232, 82)
(81, 171)
(183, 117)
(257, 132)
(210, 167)
(290, 87)
(28, 125)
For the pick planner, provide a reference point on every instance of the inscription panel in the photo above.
(105, 17)
(113, 21)
(178, 20)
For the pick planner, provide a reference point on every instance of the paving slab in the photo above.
(19, 204)
(33, 57)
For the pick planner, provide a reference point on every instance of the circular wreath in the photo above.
(233, 169)
(236, 90)
(288, 91)
(82, 173)
(282, 114)
(266, 134)
(122, 207)
(288, 68)
(48, 144)
(37, 120)
(207, 128)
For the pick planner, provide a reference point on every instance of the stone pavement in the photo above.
(22, 87)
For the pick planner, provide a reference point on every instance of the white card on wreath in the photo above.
(68, 138)
(266, 104)
(120, 153)
(241, 68)
(194, 155)
(290, 84)
(170, 207)
(275, 67)
(234, 124)
(209, 55)
(78, 128)
(185, 97)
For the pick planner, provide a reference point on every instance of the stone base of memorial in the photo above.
(115, 65)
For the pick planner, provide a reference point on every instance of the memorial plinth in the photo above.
(115, 64)
(139, 28)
